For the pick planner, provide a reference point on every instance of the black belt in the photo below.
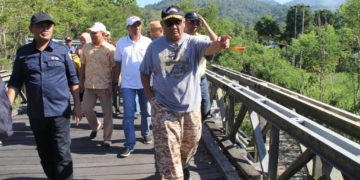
(203, 77)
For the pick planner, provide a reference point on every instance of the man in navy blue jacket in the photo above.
(5, 113)
(48, 72)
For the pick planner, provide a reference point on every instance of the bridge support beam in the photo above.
(239, 120)
(260, 144)
(297, 165)
(274, 152)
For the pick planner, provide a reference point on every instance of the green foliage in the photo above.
(324, 17)
(72, 17)
(323, 68)
(267, 27)
(244, 11)
(294, 19)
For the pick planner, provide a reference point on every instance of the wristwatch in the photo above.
(115, 83)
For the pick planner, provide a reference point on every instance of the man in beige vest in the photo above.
(97, 62)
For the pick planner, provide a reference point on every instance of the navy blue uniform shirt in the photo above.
(47, 75)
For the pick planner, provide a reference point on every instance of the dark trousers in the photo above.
(205, 99)
(52, 137)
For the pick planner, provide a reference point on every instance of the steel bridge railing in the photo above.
(333, 149)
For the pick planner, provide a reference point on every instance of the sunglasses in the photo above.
(171, 23)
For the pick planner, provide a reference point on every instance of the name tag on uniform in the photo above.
(54, 58)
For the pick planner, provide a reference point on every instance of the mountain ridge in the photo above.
(250, 11)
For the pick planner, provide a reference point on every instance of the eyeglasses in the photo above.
(170, 23)
(193, 22)
(154, 29)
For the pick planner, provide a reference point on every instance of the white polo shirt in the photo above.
(131, 54)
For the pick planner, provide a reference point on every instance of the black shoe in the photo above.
(93, 134)
(125, 152)
(107, 144)
(186, 172)
(147, 139)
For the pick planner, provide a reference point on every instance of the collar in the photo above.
(102, 44)
(131, 41)
(49, 47)
(185, 35)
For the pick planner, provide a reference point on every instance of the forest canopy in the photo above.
(315, 53)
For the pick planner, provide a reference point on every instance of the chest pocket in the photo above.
(31, 67)
(30, 63)
(55, 69)
(31, 70)
(54, 64)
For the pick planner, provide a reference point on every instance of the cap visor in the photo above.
(44, 21)
(134, 23)
(172, 16)
(190, 19)
(93, 29)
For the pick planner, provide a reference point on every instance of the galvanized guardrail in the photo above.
(75, 42)
(333, 149)
(339, 119)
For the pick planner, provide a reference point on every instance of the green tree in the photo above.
(324, 17)
(294, 26)
(320, 54)
(267, 27)
(349, 13)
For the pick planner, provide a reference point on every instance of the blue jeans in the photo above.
(129, 111)
(52, 137)
(137, 106)
(205, 99)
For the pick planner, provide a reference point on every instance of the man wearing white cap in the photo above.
(130, 51)
(97, 62)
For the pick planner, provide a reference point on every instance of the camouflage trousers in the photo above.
(176, 138)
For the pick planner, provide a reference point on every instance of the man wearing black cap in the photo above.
(47, 70)
(192, 24)
(175, 96)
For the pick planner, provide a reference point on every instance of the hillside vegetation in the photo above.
(244, 11)
(317, 59)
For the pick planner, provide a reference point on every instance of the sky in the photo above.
(142, 3)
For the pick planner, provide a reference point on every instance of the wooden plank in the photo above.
(225, 167)
(19, 158)
(237, 155)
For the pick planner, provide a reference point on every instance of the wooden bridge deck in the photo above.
(19, 158)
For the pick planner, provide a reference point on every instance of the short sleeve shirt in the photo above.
(98, 62)
(131, 54)
(202, 67)
(47, 75)
(176, 80)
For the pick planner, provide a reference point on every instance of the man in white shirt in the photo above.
(130, 51)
